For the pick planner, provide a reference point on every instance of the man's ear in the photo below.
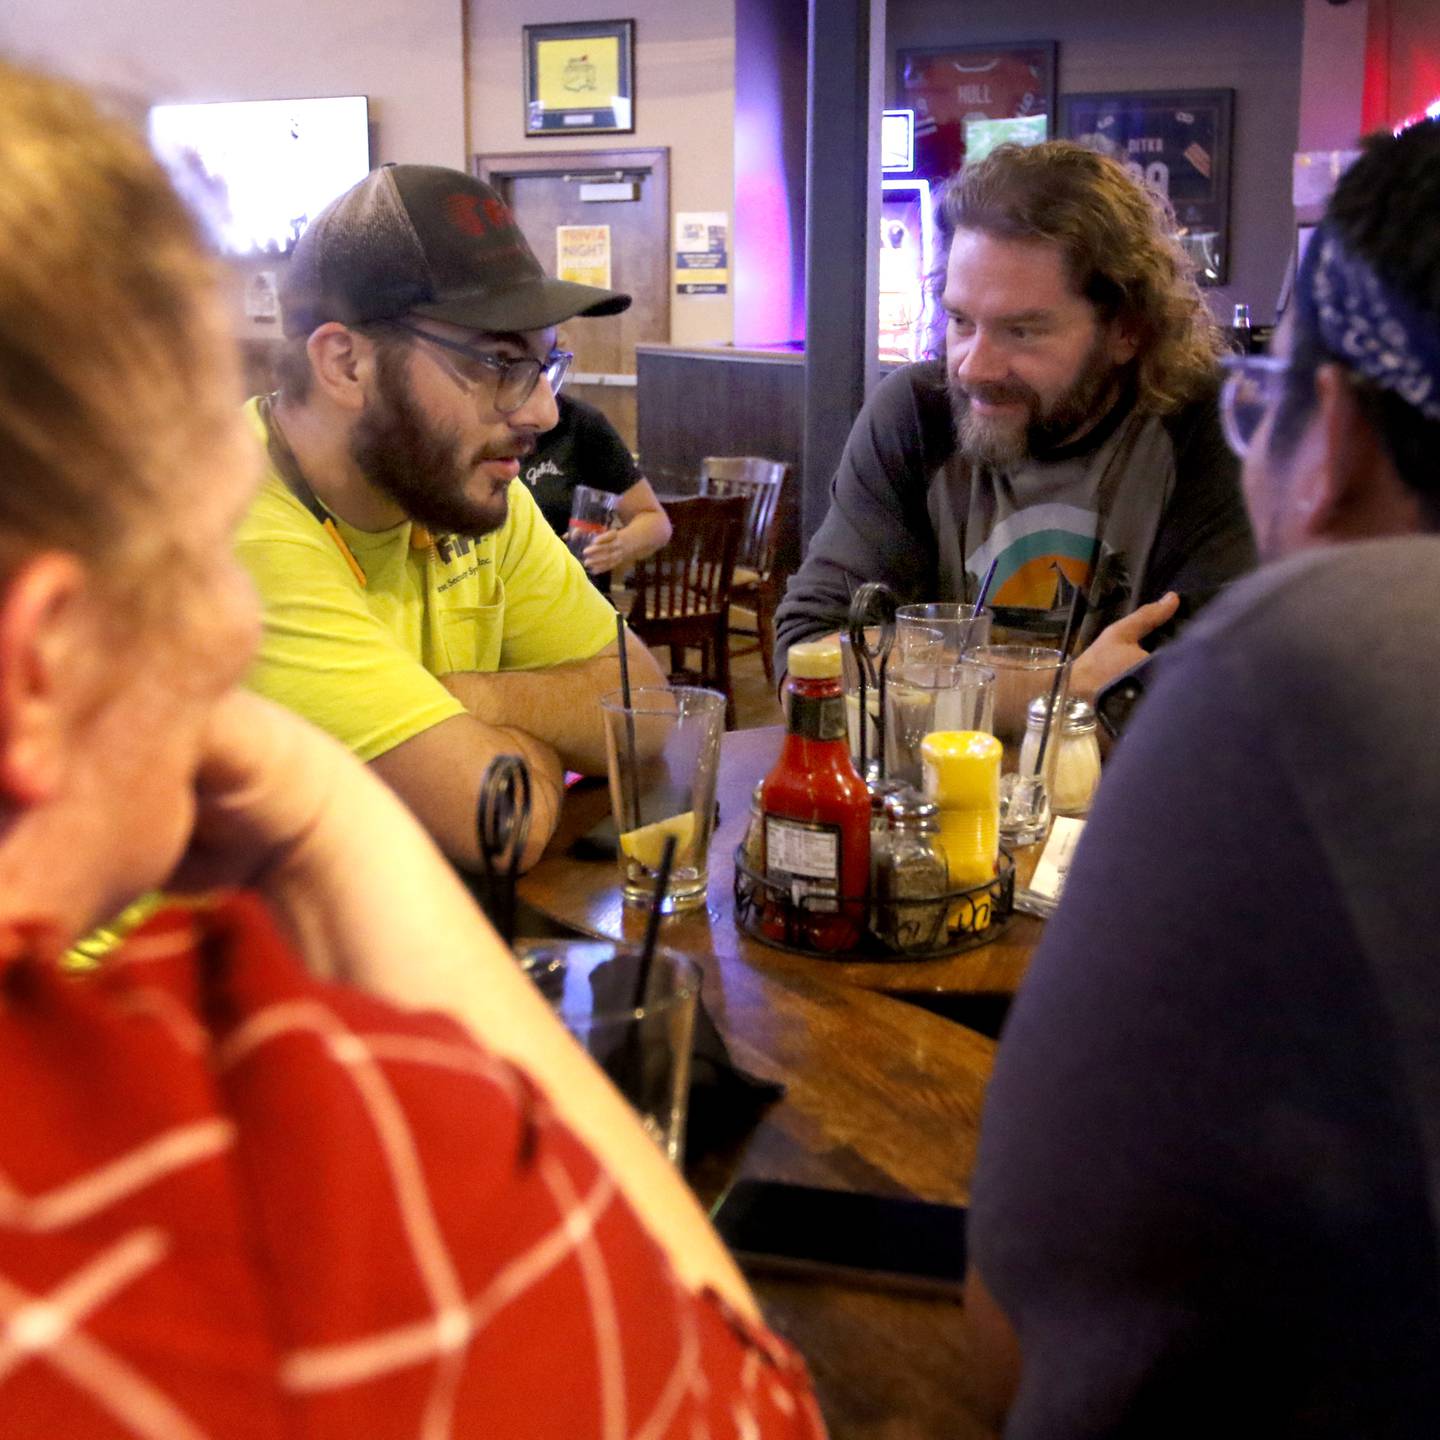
(44, 674)
(1352, 491)
(1123, 342)
(342, 362)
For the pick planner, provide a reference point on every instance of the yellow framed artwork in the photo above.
(580, 77)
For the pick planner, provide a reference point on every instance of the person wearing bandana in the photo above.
(1208, 1191)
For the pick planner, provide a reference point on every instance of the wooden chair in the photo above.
(760, 481)
(682, 592)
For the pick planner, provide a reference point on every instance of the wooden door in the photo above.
(551, 189)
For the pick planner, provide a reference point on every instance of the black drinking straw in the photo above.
(1055, 683)
(652, 923)
(633, 769)
(981, 596)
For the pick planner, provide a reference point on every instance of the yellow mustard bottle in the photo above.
(961, 770)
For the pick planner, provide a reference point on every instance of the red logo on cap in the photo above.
(476, 216)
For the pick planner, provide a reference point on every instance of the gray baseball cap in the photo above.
(425, 240)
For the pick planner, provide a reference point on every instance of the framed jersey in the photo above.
(1178, 143)
(973, 96)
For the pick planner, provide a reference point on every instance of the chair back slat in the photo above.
(692, 574)
(759, 481)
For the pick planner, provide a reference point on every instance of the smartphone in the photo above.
(1116, 702)
(885, 1241)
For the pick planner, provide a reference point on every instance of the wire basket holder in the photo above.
(877, 926)
(889, 928)
(872, 606)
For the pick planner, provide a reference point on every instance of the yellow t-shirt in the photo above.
(361, 661)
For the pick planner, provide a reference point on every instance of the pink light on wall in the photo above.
(765, 298)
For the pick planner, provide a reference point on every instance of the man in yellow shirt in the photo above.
(416, 604)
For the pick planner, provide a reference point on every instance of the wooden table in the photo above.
(882, 1096)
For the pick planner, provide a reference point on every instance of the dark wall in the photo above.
(720, 403)
(1250, 46)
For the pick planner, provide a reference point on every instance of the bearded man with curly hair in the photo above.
(1069, 435)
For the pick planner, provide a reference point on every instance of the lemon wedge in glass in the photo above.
(647, 843)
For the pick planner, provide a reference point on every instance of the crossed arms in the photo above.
(551, 717)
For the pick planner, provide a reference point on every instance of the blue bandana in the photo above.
(1360, 320)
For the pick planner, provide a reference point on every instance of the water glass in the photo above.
(850, 682)
(663, 752)
(942, 630)
(924, 696)
(921, 640)
(1024, 673)
(642, 1041)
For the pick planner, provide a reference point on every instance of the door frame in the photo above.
(652, 164)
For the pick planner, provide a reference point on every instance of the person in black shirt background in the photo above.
(583, 449)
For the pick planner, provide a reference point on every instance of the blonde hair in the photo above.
(1119, 243)
(115, 376)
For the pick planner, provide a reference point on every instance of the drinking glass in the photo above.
(958, 629)
(922, 697)
(642, 1041)
(591, 513)
(663, 751)
(920, 638)
(1024, 673)
(850, 683)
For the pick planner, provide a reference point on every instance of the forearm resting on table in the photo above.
(370, 903)
(438, 774)
(559, 706)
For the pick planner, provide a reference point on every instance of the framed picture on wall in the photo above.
(1178, 142)
(968, 99)
(580, 78)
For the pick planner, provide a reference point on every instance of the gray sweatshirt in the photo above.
(1140, 505)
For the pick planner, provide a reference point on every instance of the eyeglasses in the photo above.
(515, 380)
(1252, 386)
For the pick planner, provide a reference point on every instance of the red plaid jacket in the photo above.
(235, 1201)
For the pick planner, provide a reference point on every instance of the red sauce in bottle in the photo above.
(816, 812)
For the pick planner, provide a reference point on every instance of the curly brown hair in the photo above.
(1119, 245)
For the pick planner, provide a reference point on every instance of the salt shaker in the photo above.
(1077, 755)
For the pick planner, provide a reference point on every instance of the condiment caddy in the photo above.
(833, 865)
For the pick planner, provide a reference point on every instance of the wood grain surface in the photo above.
(883, 1095)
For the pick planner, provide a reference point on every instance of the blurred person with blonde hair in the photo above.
(1069, 436)
(242, 1193)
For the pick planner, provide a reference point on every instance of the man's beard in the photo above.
(417, 464)
(1007, 443)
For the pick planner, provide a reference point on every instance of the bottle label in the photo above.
(805, 859)
(818, 717)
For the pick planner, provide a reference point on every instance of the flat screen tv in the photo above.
(257, 170)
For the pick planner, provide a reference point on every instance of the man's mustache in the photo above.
(517, 448)
(994, 394)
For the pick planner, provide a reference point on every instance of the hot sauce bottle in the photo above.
(816, 812)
